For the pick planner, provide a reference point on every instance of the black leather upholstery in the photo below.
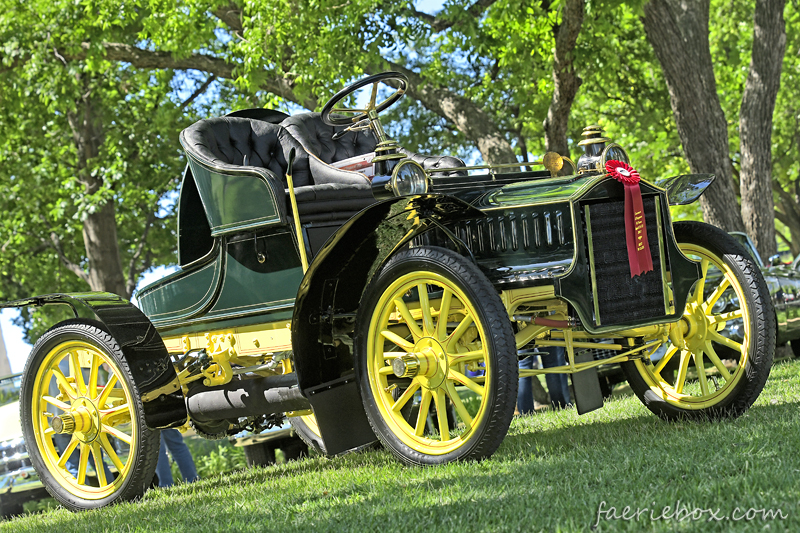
(317, 138)
(246, 142)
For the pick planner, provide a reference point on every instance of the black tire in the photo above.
(294, 449)
(795, 343)
(742, 384)
(10, 509)
(306, 428)
(479, 322)
(120, 409)
(260, 454)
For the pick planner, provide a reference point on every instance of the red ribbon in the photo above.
(639, 257)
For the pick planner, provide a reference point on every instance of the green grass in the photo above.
(551, 473)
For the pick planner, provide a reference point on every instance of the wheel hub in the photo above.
(428, 362)
(83, 420)
(698, 328)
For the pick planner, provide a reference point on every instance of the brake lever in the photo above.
(358, 126)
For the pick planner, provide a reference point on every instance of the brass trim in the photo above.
(488, 167)
(668, 309)
(301, 244)
(592, 272)
(603, 159)
(593, 140)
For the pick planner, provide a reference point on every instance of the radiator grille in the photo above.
(621, 299)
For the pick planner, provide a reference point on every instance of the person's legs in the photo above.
(180, 453)
(525, 391)
(557, 384)
(162, 467)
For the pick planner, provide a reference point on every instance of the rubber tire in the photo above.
(313, 440)
(294, 449)
(762, 347)
(795, 343)
(144, 467)
(260, 454)
(492, 313)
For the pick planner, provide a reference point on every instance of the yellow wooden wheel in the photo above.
(436, 359)
(719, 358)
(83, 420)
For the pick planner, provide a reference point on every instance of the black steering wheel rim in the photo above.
(331, 118)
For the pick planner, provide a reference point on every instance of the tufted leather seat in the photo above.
(317, 138)
(323, 192)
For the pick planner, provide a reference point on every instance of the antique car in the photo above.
(19, 482)
(332, 278)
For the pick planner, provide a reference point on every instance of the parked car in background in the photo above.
(19, 482)
(783, 282)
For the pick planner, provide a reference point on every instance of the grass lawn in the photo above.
(554, 472)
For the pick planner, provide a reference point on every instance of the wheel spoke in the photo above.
(444, 313)
(78, 372)
(714, 358)
(109, 387)
(462, 327)
(425, 306)
(373, 96)
(701, 373)
(348, 110)
(406, 396)
(672, 350)
(683, 368)
(385, 370)
(107, 414)
(112, 454)
(714, 296)
(83, 464)
(65, 384)
(464, 380)
(459, 405)
(413, 327)
(723, 317)
(98, 464)
(422, 416)
(441, 414)
(467, 357)
(62, 461)
(117, 433)
(725, 341)
(397, 339)
(701, 283)
(93, 375)
(56, 403)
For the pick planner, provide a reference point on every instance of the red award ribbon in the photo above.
(639, 257)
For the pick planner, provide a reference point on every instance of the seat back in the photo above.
(246, 142)
(317, 138)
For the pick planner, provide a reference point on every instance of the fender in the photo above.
(141, 345)
(323, 324)
(686, 188)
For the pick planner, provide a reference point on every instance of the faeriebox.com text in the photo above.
(682, 512)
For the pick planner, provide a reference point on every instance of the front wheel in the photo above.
(433, 332)
(729, 335)
(83, 421)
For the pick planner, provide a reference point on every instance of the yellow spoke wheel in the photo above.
(83, 420)
(307, 429)
(435, 358)
(720, 358)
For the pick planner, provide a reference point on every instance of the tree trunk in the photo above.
(566, 81)
(755, 124)
(99, 226)
(678, 32)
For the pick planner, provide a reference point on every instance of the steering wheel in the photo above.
(343, 116)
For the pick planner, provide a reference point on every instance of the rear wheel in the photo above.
(83, 421)
(730, 307)
(434, 332)
(307, 429)
(259, 454)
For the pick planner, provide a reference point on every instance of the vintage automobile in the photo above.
(19, 482)
(358, 303)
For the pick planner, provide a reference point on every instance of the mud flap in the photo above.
(586, 385)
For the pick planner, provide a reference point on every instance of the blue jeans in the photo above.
(557, 384)
(173, 440)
